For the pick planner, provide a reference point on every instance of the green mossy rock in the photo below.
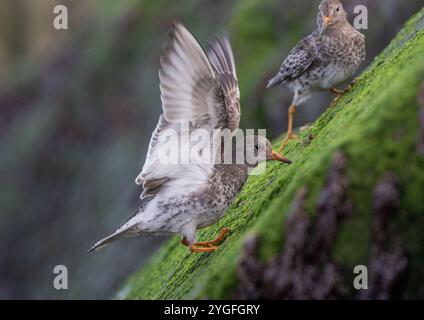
(376, 126)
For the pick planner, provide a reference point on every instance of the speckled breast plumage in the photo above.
(338, 56)
(202, 208)
(321, 61)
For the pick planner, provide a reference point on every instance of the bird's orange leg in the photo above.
(338, 93)
(221, 237)
(290, 135)
(207, 246)
(195, 249)
(341, 92)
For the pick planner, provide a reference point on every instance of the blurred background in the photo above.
(77, 108)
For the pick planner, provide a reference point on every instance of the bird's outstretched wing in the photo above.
(197, 89)
(298, 61)
(221, 57)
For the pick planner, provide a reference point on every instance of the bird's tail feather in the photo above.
(274, 81)
(125, 230)
(105, 241)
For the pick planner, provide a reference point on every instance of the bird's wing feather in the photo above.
(157, 174)
(299, 59)
(187, 81)
(221, 57)
(194, 90)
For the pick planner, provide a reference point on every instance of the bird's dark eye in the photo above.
(338, 9)
(256, 147)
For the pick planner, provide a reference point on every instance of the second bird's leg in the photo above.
(290, 135)
(338, 93)
(341, 92)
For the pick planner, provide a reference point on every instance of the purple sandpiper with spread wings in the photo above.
(180, 198)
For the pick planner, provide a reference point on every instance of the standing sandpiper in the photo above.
(322, 60)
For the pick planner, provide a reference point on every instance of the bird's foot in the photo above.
(290, 136)
(339, 93)
(196, 249)
(342, 92)
(337, 98)
(207, 246)
(220, 238)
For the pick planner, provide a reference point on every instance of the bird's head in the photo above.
(330, 13)
(262, 151)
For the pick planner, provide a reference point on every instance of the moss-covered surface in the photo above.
(376, 126)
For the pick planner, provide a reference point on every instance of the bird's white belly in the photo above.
(210, 217)
(170, 214)
(333, 75)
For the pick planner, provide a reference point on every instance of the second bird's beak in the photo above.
(326, 21)
(277, 157)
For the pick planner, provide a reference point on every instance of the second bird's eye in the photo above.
(338, 9)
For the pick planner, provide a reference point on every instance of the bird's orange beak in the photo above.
(326, 21)
(278, 157)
